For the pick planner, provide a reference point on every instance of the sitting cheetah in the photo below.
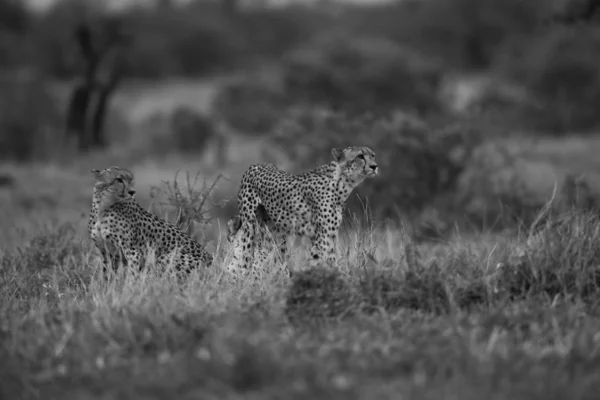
(307, 204)
(122, 230)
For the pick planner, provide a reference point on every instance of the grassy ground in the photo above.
(445, 324)
(428, 322)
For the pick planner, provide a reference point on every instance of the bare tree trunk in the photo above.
(90, 98)
(76, 113)
(104, 93)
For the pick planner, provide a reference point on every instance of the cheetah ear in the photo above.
(338, 154)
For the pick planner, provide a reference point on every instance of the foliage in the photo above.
(450, 318)
(190, 130)
(466, 34)
(192, 39)
(252, 105)
(559, 68)
(30, 123)
(561, 259)
(421, 161)
(188, 204)
(357, 73)
(14, 20)
(319, 294)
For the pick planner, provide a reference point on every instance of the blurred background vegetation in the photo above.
(475, 108)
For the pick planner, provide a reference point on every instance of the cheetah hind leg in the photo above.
(280, 237)
(243, 251)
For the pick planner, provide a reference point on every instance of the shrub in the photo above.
(318, 294)
(252, 104)
(30, 122)
(190, 130)
(50, 249)
(361, 73)
(500, 187)
(420, 162)
(187, 39)
(464, 33)
(31, 270)
(560, 69)
(382, 289)
(192, 40)
(561, 259)
(271, 31)
(188, 204)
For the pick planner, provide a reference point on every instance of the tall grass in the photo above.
(393, 313)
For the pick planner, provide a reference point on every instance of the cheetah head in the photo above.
(357, 163)
(113, 184)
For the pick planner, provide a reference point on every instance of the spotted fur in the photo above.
(308, 204)
(123, 231)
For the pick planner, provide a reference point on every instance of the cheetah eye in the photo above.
(120, 180)
(361, 156)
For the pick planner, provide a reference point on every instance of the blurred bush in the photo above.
(466, 34)
(182, 130)
(358, 73)
(252, 104)
(190, 39)
(174, 41)
(190, 130)
(421, 161)
(500, 186)
(338, 72)
(14, 22)
(559, 67)
(30, 122)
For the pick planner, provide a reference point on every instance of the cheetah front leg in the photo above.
(323, 249)
(112, 256)
(134, 258)
(131, 255)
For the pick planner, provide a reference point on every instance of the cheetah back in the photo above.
(286, 197)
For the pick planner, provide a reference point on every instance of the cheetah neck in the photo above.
(96, 195)
(102, 201)
(341, 184)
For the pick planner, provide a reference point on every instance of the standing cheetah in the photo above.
(307, 204)
(123, 231)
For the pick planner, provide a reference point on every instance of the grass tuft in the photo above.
(425, 321)
(561, 260)
(318, 293)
